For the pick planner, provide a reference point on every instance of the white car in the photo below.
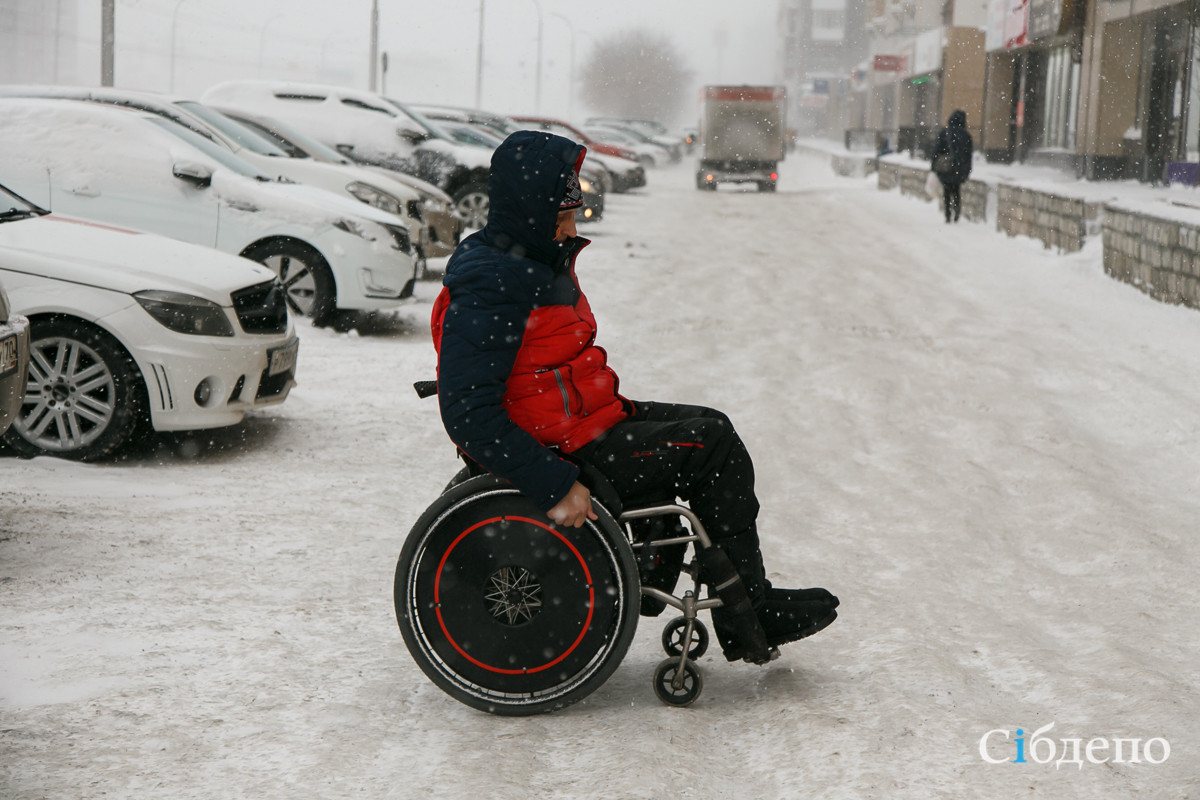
(255, 148)
(130, 327)
(14, 338)
(647, 154)
(369, 129)
(442, 227)
(142, 171)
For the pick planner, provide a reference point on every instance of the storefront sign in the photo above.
(1008, 24)
(1049, 18)
(928, 49)
(1016, 24)
(997, 13)
(891, 63)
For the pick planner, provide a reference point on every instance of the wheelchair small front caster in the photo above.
(672, 638)
(673, 692)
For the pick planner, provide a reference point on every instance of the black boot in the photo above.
(732, 570)
(785, 615)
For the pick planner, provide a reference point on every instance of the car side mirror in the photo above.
(197, 174)
(412, 137)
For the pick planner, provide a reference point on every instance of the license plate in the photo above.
(8, 355)
(283, 359)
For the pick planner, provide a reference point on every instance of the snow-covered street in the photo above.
(990, 452)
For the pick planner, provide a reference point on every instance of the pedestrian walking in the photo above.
(952, 161)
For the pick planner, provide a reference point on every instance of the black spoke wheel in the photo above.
(689, 688)
(508, 613)
(308, 283)
(672, 638)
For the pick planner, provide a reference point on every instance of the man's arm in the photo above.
(481, 335)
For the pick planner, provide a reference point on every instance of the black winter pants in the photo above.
(953, 200)
(664, 451)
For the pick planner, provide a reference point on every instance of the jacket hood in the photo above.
(958, 119)
(526, 183)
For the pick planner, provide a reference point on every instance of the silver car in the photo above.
(14, 332)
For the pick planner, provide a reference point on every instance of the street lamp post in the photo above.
(537, 92)
(262, 41)
(571, 93)
(374, 45)
(108, 12)
(174, 26)
(479, 60)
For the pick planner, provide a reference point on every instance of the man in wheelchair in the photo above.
(521, 382)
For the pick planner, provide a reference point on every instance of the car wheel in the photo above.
(471, 205)
(84, 397)
(646, 161)
(304, 273)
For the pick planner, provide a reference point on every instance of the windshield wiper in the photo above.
(15, 214)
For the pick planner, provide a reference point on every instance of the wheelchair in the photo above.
(513, 615)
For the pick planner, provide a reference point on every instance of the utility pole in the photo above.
(374, 43)
(571, 94)
(479, 61)
(174, 26)
(537, 92)
(107, 38)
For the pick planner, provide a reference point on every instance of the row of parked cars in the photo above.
(154, 249)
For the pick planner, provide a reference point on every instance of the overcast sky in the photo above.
(431, 44)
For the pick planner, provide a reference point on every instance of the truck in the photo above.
(743, 136)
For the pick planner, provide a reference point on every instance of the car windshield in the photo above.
(295, 143)
(13, 207)
(215, 152)
(239, 133)
(422, 123)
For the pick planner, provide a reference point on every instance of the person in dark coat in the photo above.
(952, 161)
(521, 382)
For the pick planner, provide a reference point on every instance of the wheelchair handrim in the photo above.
(493, 696)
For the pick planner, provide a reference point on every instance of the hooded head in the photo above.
(958, 119)
(531, 177)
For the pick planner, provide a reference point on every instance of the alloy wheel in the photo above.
(298, 282)
(69, 398)
(472, 208)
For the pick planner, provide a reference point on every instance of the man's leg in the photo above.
(947, 199)
(666, 451)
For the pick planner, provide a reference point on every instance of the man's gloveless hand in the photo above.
(574, 509)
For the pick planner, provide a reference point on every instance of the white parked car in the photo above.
(648, 154)
(258, 149)
(442, 227)
(142, 171)
(14, 334)
(129, 327)
(370, 129)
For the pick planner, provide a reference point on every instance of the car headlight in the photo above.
(585, 185)
(185, 313)
(431, 203)
(355, 227)
(401, 238)
(375, 197)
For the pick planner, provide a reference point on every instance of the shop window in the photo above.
(1060, 100)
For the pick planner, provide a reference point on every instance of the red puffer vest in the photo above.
(561, 389)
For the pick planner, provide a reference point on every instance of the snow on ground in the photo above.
(988, 451)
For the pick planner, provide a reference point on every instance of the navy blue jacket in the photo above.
(495, 283)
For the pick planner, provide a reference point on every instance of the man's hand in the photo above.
(574, 509)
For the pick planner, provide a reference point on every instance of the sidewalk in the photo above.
(1150, 234)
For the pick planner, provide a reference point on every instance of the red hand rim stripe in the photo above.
(437, 596)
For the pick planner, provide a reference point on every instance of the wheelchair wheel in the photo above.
(690, 687)
(506, 612)
(672, 638)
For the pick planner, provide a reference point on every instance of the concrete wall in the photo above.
(998, 101)
(1161, 257)
(911, 181)
(1054, 220)
(964, 77)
